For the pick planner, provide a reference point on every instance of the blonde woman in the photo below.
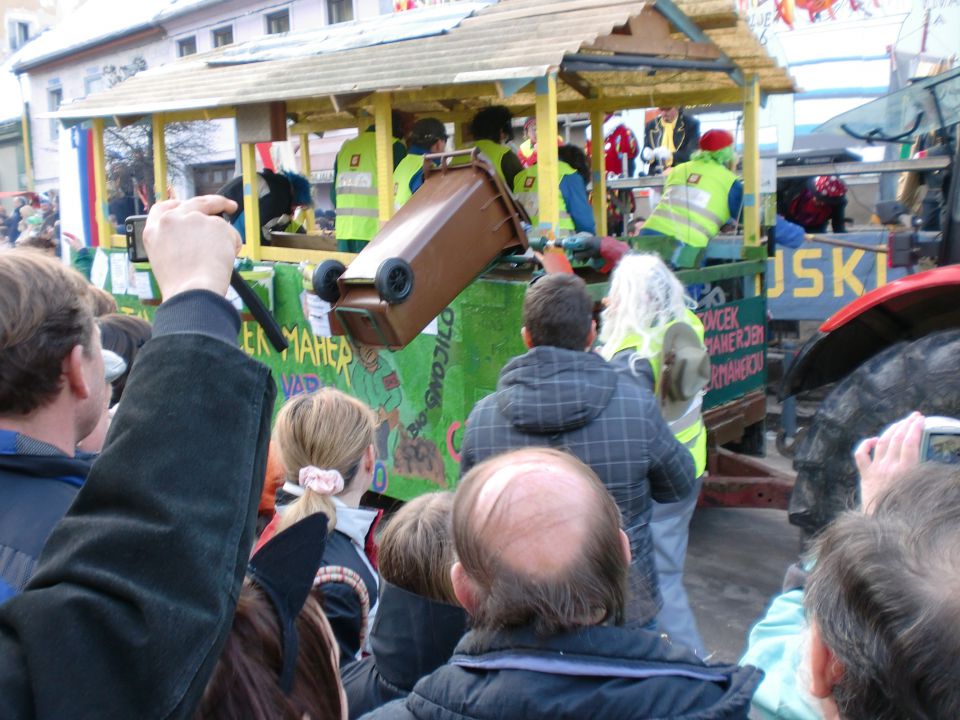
(645, 301)
(326, 445)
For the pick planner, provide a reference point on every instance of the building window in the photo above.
(54, 100)
(92, 84)
(278, 22)
(19, 33)
(222, 36)
(187, 46)
(339, 11)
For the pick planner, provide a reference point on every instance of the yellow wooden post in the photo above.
(306, 170)
(751, 162)
(599, 169)
(27, 147)
(384, 133)
(458, 135)
(251, 200)
(159, 157)
(548, 178)
(104, 226)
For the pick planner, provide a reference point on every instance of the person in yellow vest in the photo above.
(428, 136)
(651, 333)
(492, 130)
(527, 151)
(576, 215)
(354, 192)
(699, 198)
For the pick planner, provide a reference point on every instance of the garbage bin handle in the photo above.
(440, 162)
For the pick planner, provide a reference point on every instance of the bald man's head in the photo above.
(538, 540)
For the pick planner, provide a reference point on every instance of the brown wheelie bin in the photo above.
(453, 227)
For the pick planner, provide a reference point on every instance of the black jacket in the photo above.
(134, 593)
(686, 136)
(341, 604)
(35, 492)
(577, 401)
(411, 637)
(599, 672)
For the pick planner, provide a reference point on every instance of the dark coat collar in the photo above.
(413, 635)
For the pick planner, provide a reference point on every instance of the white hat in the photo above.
(686, 370)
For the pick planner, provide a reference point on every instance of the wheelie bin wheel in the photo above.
(325, 277)
(394, 280)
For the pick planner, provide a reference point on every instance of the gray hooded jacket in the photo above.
(577, 401)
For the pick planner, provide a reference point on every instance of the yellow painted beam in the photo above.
(307, 170)
(548, 178)
(458, 135)
(199, 115)
(751, 162)
(297, 255)
(27, 146)
(305, 154)
(599, 172)
(101, 193)
(251, 200)
(384, 133)
(159, 157)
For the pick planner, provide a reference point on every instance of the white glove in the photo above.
(661, 154)
(647, 155)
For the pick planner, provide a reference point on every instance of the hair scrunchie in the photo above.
(323, 481)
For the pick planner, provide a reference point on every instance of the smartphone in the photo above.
(941, 440)
(133, 226)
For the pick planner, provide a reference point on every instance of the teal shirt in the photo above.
(776, 646)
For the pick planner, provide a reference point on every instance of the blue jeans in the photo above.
(670, 527)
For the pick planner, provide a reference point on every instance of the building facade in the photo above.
(102, 43)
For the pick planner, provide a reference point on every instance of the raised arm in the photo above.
(135, 591)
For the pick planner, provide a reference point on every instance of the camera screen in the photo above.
(943, 448)
(134, 232)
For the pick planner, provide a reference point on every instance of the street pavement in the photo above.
(735, 565)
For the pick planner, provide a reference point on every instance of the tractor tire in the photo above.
(394, 280)
(325, 278)
(920, 375)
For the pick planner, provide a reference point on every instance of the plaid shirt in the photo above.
(578, 402)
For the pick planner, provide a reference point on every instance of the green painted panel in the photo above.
(424, 393)
(736, 340)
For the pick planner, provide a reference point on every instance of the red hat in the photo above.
(830, 186)
(714, 140)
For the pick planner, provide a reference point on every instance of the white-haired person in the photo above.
(651, 332)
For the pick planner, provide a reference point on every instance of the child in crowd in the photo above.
(419, 622)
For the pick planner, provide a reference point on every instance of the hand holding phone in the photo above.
(189, 246)
(883, 460)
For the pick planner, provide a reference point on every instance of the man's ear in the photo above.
(464, 588)
(825, 670)
(72, 369)
(592, 335)
(625, 546)
(527, 340)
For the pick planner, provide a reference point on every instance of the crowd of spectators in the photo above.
(32, 224)
(133, 583)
